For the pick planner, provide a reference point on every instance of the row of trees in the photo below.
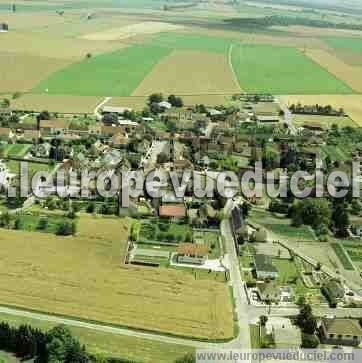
(308, 325)
(316, 110)
(276, 20)
(58, 345)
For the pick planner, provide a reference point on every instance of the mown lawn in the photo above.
(282, 70)
(112, 74)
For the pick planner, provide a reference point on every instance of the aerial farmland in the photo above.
(206, 86)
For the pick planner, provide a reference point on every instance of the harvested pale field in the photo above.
(76, 26)
(258, 38)
(349, 74)
(56, 103)
(352, 104)
(325, 121)
(190, 72)
(84, 277)
(129, 31)
(21, 72)
(33, 20)
(50, 45)
(136, 103)
(349, 57)
(316, 32)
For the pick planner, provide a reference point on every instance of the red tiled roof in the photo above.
(172, 210)
(199, 250)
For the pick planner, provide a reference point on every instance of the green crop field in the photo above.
(282, 70)
(112, 74)
(199, 42)
(354, 44)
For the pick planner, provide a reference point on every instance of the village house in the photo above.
(165, 105)
(268, 292)
(264, 268)
(267, 119)
(109, 131)
(173, 211)
(192, 253)
(55, 126)
(341, 332)
(115, 110)
(119, 140)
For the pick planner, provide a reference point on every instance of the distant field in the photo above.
(352, 104)
(354, 44)
(53, 45)
(265, 68)
(131, 30)
(352, 76)
(21, 21)
(117, 73)
(189, 41)
(20, 72)
(83, 276)
(56, 103)
(324, 121)
(190, 72)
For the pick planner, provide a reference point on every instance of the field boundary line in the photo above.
(235, 78)
(331, 73)
(112, 328)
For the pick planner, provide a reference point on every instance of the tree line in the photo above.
(57, 345)
(277, 20)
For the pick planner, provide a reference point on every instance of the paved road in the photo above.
(104, 328)
(242, 307)
(98, 115)
(288, 117)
